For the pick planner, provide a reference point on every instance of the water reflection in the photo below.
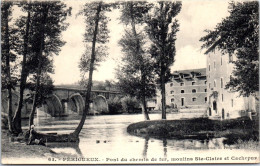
(165, 147)
(72, 147)
(145, 147)
(171, 145)
(107, 135)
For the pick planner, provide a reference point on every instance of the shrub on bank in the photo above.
(197, 128)
(115, 106)
(130, 105)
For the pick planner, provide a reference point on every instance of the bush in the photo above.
(130, 105)
(114, 106)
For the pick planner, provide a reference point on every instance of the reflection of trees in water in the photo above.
(165, 147)
(215, 143)
(145, 147)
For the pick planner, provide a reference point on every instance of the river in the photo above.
(105, 137)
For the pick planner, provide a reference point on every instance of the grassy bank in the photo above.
(199, 128)
(15, 147)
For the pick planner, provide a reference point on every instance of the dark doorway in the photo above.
(209, 111)
(215, 106)
(223, 113)
(182, 101)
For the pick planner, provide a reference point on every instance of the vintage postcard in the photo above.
(129, 82)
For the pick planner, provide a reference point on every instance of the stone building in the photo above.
(186, 89)
(223, 103)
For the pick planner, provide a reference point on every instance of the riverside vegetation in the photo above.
(236, 131)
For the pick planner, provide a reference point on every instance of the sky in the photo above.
(194, 18)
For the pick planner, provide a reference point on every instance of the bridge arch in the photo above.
(76, 103)
(54, 105)
(100, 104)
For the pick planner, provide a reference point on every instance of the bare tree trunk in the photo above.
(163, 93)
(87, 99)
(24, 74)
(144, 108)
(7, 63)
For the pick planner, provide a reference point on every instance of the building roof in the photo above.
(188, 73)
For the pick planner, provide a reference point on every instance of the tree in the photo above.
(42, 40)
(22, 48)
(7, 57)
(136, 75)
(95, 37)
(239, 34)
(162, 30)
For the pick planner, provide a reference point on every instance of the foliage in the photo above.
(130, 104)
(135, 65)
(7, 38)
(101, 38)
(135, 10)
(162, 28)
(45, 88)
(37, 39)
(239, 34)
(115, 105)
(136, 74)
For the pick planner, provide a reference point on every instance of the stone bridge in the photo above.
(64, 100)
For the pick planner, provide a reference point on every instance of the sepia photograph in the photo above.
(129, 82)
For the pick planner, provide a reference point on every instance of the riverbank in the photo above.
(16, 148)
(199, 128)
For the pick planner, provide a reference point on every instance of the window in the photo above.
(209, 67)
(171, 84)
(194, 99)
(205, 90)
(222, 97)
(182, 101)
(182, 91)
(193, 83)
(172, 100)
(205, 82)
(215, 83)
(172, 92)
(193, 90)
(181, 83)
(205, 99)
(221, 82)
(209, 85)
(232, 102)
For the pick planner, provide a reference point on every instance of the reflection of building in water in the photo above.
(223, 103)
(168, 144)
